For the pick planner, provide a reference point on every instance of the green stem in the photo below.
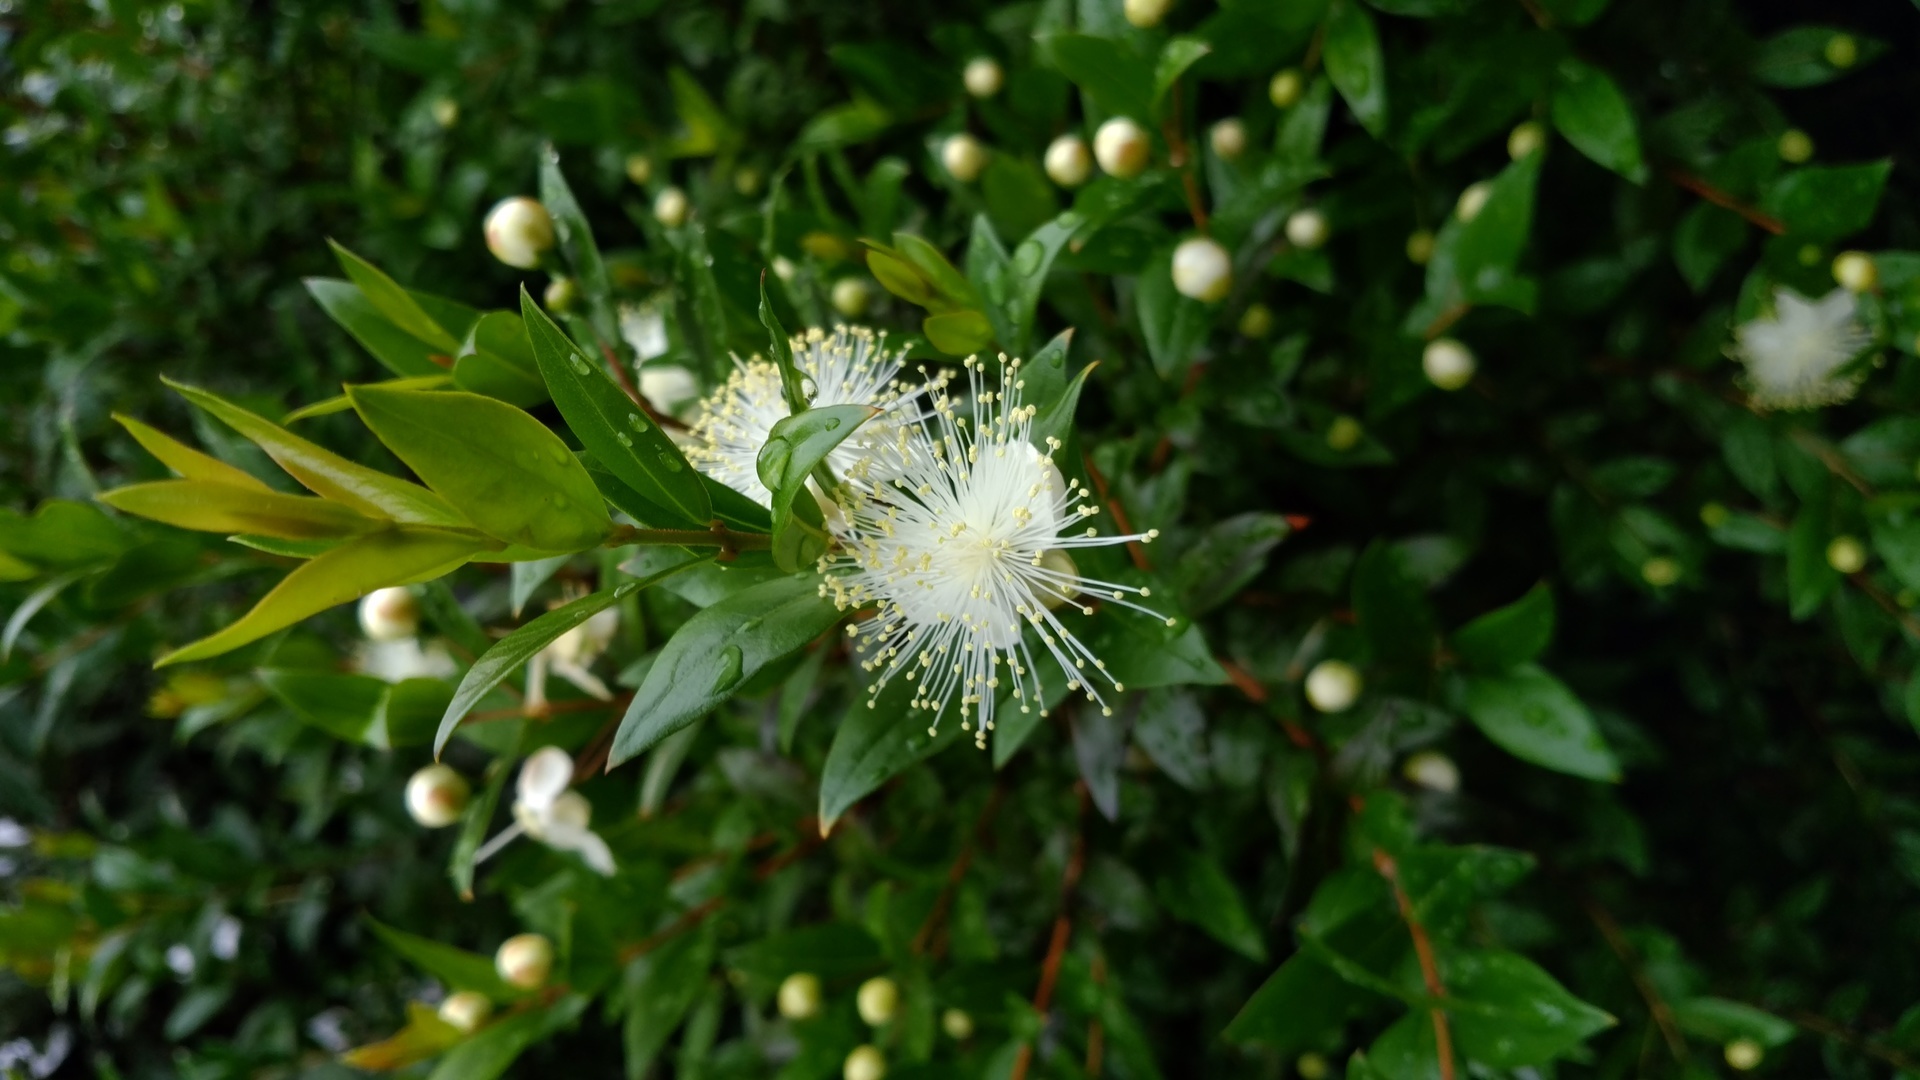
(719, 536)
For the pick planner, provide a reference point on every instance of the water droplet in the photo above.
(560, 456)
(672, 464)
(1026, 258)
(1070, 220)
(808, 388)
(729, 671)
(832, 423)
(580, 366)
(621, 436)
(634, 422)
(774, 458)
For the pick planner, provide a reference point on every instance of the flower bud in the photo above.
(389, 614)
(1122, 148)
(1285, 89)
(1847, 555)
(957, 1024)
(519, 230)
(1068, 161)
(1795, 146)
(783, 268)
(1344, 433)
(466, 1011)
(561, 294)
(850, 296)
(1228, 139)
(1307, 229)
(639, 168)
(746, 180)
(878, 1000)
(1147, 13)
(1744, 1054)
(1472, 200)
(1713, 515)
(1311, 1066)
(799, 996)
(436, 796)
(1432, 770)
(670, 207)
(1202, 269)
(1842, 51)
(983, 77)
(446, 112)
(1333, 686)
(1855, 271)
(525, 960)
(824, 246)
(1526, 139)
(1809, 254)
(865, 1063)
(1449, 365)
(1660, 571)
(963, 157)
(1256, 321)
(1420, 247)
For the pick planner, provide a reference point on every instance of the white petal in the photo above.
(584, 842)
(544, 775)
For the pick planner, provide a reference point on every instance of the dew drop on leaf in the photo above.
(672, 464)
(634, 422)
(729, 673)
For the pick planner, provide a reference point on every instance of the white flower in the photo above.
(406, 658)
(955, 531)
(645, 330)
(850, 367)
(571, 657)
(519, 231)
(669, 388)
(224, 942)
(1794, 358)
(546, 810)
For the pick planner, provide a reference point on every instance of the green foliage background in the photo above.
(1720, 843)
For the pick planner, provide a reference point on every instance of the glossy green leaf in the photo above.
(1475, 261)
(400, 352)
(1391, 606)
(1510, 636)
(573, 237)
(1798, 57)
(1534, 717)
(493, 1049)
(497, 360)
(1355, 63)
(1590, 110)
(716, 651)
(477, 822)
(62, 533)
(958, 333)
(1196, 890)
(1827, 202)
(225, 508)
(613, 428)
(394, 302)
(457, 968)
(1510, 1014)
(394, 557)
(340, 403)
(658, 989)
(511, 476)
(794, 447)
(1176, 56)
(1116, 78)
(877, 739)
(187, 461)
(1226, 558)
(1719, 1020)
(1174, 325)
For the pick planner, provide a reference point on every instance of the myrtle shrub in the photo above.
(520, 519)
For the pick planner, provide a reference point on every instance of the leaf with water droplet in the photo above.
(1534, 717)
(793, 449)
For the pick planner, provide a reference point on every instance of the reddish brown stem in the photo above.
(1720, 198)
(691, 918)
(1656, 1005)
(1429, 967)
(955, 875)
(1062, 928)
(1134, 548)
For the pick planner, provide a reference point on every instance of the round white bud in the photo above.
(1744, 1055)
(964, 157)
(1795, 146)
(639, 168)
(1228, 139)
(1147, 13)
(1526, 139)
(1122, 148)
(878, 1000)
(799, 996)
(1333, 686)
(466, 1011)
(525, 960)
(519, 230)
(850, 296)
(1449, 365)
(1473, 200)
(670, 207)
(446, 112)
(1285, 89)
(1308, 229)
(865, 1063)
(561, 294)
(1420, 247)
(1202, 269)
(1256, 321)
(1847, 554)
(1432, 770)
(983, 76)
(957, 1024)
(436, 796)
(1068, 161)
(1855, 271)
(389, 614)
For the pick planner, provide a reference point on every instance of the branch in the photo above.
(957, 873)
(1062, 928)
(1134, 548)
(1429, 967)
(1629, 959)
(1720, 198)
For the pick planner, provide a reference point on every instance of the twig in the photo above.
(1445, 319)
(1429, 967)
(515, 713)
(593, 758)
(1820, 1025)
(691, 918)
(1097, 1035)
(1062, 927)
(1656, 1005)
(1180, 158)
(956, 874)
(1720, 198)
(1830, 457)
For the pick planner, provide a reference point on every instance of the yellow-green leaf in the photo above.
(425, 1036)
(393, 301)
(226, 508)
(185, 460)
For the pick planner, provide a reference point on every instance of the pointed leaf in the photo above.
(793, 448)
(394, 302)
(877, 739)
(224, 508)
(1534, 717)
(1355, 64)
(185, 460)
(1509, 636)
(401, 352)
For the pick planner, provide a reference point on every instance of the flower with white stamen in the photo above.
(849, 367)
(546, 810)
(956, 530)
(1796, 357)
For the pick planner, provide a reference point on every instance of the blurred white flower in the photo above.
(180, 960)
(224, 942)
(645, 329)
(328, 1030)
(19, 1054)
(1794, 358)
(546, 810)
(669, 388)
(403, 659)
(956, 532)
(14, 834)
(571, 657)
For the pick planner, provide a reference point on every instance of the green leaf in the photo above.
(479, 816)
(716, 651)
(497, 361)
(400, 352)
(1355, 65)
(657, 990)
(1706, 238)
(1590, 110)
(1721, 1021)
(1894, 524)
(951, 289)
(196, 1007)
(705, 129)
(1018, 196)
(457, 968)
(326, 473)
(876, 740)
(1117, 79)
(611, 426)
(360, 708)
(1810, 578)
(1391, 606)
(352, 570)
(1827, 202)
(1510, 636)
(1534, 717)
(340, 403)
(1226, 558)
(794, 446)
(1176, 56)
(1143, 653)
(1026, 273)
(1474, 261)
(187, 461)
(492, 1050)
(574, 238)
(958, 333)
(1174, 326)
(1054, 420)
(395, 303)
(1798, 57)
(511, 476)
(830, 950)
(1196, 890)
(1510, 1014)
(225, 508)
